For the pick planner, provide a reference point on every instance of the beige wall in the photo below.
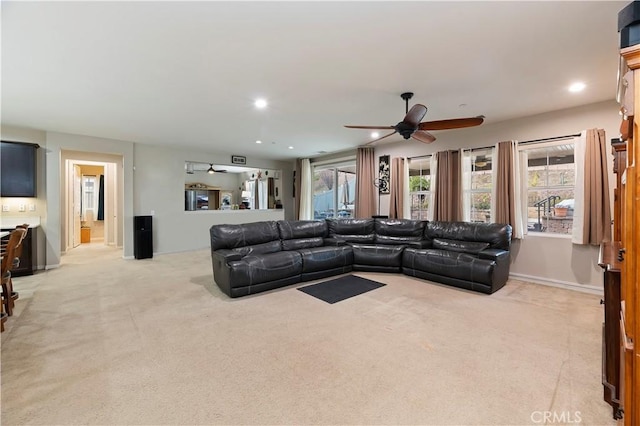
(159, 187)
(546, 259)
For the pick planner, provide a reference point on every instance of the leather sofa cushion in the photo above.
(453, 264)
(301, 243)
(496, 234)
(325, 258)
(352, 230)
(247, 234)
(265, 248)
(471, 247)
(252, 270)
(299, 234)
(398, 231)
(294, 229)
(388, 255)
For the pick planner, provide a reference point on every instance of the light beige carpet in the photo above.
(103, 340)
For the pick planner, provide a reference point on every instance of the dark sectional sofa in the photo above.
(254, 257)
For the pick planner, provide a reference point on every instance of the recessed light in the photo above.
(375, 134)
(577, 87)
(258, 141)
(290, 147)
(260, 103)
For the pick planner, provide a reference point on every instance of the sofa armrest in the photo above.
(334, 242)
(493, 254)
(225, 255)
(422, 244)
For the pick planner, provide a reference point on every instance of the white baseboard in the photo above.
(557, 283)
(128, 257)
(57, 265)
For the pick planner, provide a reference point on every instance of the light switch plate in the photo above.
(5, 208)
(32, 207)
(22, 208)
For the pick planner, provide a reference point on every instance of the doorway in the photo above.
(91, 213)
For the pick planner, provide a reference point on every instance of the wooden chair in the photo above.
(11, 260)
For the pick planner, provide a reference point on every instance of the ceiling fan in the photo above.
(195, 167)
(211, 170)
(411, 127)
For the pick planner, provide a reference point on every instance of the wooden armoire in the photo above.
(620, 258)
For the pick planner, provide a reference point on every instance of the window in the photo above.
(89, 197)
(420, 187)
(478, 183)
(334, 190)
(550, 186)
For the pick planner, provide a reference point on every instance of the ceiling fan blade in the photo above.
(371, 127)
(423, 136)
(385, 136)
(415, 115)
(455, 123)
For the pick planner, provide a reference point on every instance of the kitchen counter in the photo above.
(13, 221)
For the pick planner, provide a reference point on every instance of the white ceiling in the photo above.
(177, 73)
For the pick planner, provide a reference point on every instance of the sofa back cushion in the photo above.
(264, 248)
(352, 230)
(398, 231)
(471, 247)
(299, 234)
(265, 235)
(496, 234)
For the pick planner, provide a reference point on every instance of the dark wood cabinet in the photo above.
(27, 255)
(18, 169)
(611, 326)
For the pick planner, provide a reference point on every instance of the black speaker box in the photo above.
(142, 237)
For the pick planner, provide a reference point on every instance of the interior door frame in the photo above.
(110, 199)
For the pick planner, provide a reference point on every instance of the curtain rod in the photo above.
(550, 139)
(533, 141)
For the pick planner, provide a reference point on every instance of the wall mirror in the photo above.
(213, 186)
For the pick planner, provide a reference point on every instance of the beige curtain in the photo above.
(296, 189)
(271, 188)
(365, 189)
(507, 189)
(447, 204)
(596, 206)
(505, 185)
(396, 199)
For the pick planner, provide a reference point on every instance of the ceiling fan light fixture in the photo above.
(260, 103)
(211, 171)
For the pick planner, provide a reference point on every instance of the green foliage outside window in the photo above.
(419, 183)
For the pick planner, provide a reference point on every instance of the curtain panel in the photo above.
(396, 199)
(306, 191)
(101, 199)
(365, 178)
(592, 206)
(296, 189)
(448, 189)
(507, 188)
